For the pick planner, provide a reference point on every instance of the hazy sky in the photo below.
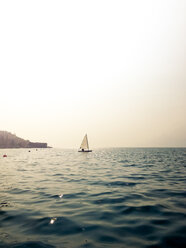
(113, 69)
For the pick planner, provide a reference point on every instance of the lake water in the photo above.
(121, 197)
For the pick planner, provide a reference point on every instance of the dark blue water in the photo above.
(109, 198)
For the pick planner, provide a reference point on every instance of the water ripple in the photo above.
(119, 197)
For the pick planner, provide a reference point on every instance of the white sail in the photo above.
(84, 144)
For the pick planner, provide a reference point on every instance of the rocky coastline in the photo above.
(9, 140)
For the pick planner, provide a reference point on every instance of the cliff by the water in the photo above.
(9, 140)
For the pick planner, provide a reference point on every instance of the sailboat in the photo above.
(84, 147)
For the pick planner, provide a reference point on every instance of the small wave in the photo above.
(28, 244)
(108, 239)
(102, 193)
(123, 161)
(109, 200)
(145, 210)
(75, 195)
(20, 191)
(161, 222)
(120, 183)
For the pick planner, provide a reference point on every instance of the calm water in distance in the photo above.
(120, 197)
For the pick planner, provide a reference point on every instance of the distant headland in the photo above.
(9, 140)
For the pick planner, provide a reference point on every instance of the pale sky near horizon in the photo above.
(113, 69)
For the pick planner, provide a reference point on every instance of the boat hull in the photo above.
(86, 151)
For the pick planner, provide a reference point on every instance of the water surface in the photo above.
(122, 197)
